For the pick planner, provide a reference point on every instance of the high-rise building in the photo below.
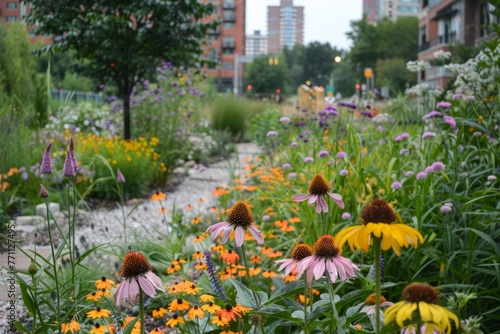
(226, 43)
(445, 22)
(256, 44)
(375, 10)
(285, 26)
(16, 11)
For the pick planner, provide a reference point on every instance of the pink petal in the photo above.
(303, 264)
(321, 205)
(216, 229)
(341, 268)
(225, 235)
(146, 286)
(332, 271)
(158, 284)
(133, 291)
(318, 267)
(122, 287)
(309, 275)
(337, 199)
(312, 199)
(239, 236)
(283, 263)
(256, 234)
(301, 197)
(349, 266)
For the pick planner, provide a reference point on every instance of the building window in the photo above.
(228, 15)
(11, 5)
(486, 18)
(228, 51)
(229, 4)
(227, 65)
(228, 25)
(11, 18)
(228, 41)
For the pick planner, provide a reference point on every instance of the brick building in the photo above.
(285, 26)
(375, 10)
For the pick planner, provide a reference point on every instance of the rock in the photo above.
(41, 209)
(29, 220)
(190, 164)
(179, 171)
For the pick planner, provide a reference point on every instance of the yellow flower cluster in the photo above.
(4, 184)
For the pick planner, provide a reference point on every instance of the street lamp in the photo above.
(337, 60)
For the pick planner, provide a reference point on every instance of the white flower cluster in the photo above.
(441, 55)
(382, 118)
(478, 72)
(201, 144)
(417, 66)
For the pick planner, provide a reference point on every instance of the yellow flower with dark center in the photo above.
(379, 221)
(239, 219)
(70, 327)
(420, 306)
(219, 321)
(156, 331)
(195, 312)
(159, 312)
(98, 313)
(104, 283)
(175, 320)
(206, 298)
(318, 188)
(211, 307)
(178, 305)
(158, 196)
(229, 313)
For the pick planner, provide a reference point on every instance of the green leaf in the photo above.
(130, 326)
(298, 314)
(244, 295)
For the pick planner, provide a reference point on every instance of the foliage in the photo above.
(392, 74)
(123, 42)
(265, 77)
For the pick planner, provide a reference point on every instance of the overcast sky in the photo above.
(325, 20)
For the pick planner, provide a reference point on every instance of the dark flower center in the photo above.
(301, 251)
(134, 264)
(378, 211)
(325, 247)
(318, 185)
(228, 307)
(420, 292)
(240, 215)
(103, 279)
(371, 299)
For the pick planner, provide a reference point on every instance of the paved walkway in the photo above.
(105, 226)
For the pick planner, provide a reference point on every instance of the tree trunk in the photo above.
(126, 116)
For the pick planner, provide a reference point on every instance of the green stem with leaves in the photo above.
(257, 300)
(335, 317)
(141, 309)
(376, 246)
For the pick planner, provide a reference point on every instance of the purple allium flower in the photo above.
(380, 128)
(433, 113)
(446, 208)
(68, 168)
(119, 176)
(308, 159)
(437, 166)
(409, 173)
(323, 154)
(457, 96)
(421, 175)
(341, 155)
(402, 136)
(272, 134)
(492, 178)
(43, 192)
(366, 114)
(450, 120)
(286, 166)
(471, 97)
(429, 170)
(239, 220)
(331, 162)
(292, 175)
(428, 135)
(443, 104)
(476, 134)
(318, 188)
(346, 215)
(396, 185)
(294, 144)
(266, 217)
(331, 110)
(403, 151)
(46, 166)
(285, 119)
(344, 172)
(463, 164)
(24, 176)
(326, 259)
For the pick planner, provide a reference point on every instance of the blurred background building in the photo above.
(285, 26)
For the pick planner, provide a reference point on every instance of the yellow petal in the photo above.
(391, 311)
(425, 312)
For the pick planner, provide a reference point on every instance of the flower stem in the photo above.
(306, 290)
(376, 246)
(335, 318)
(257, 301)
(141, 309)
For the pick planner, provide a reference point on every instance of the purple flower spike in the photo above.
(46, 166)
(43, 192)
(69, 169)
(119, 176)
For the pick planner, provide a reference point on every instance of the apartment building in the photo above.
(256, 44)
(285, 26)
(375, 10)
(446, 22)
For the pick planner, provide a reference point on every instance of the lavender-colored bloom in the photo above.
(331, 110)
(471, 97)
(266, 217)
(292, 175)
(396, 185)
(286, 166)
(323, 154)
(433, 113)
(202, 168)
(403, 151)
(24, 176)
(341, 155)
(331, 162)
(285, 119)
(457, 96)
(491, 178)
(43, 192)
(402, 136)
(346, 215)
(450, 120)
(272, 134)
(429, 170)
(446, 208)
(463, 164)
(380, 128)
(443, 104)
(476, 134)
(308, 159)
(409, 173)
(437, 166)
(119, 176)
(421, 175)
(344, 172)
(294, 144)
(68, 168)
(428, 135)
(46, 166)
(366, 114)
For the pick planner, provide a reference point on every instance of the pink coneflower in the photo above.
(238, 219)
(316, 190)
(326, 259)
(369, 308)
(137, 273)
(299, 252)
(46, 166)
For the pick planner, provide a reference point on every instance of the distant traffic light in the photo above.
(278, 91)
(357, 86)
(249, 87)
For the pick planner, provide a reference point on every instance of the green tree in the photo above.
(123, 41)
(393, 74)
(265, 77)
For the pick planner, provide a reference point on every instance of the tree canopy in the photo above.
(124, 41)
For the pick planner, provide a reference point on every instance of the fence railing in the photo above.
(62, 94)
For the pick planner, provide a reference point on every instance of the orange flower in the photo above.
(229, 256)
(219, 321)
(189, 207)
(197, 255)
(199, 238)
(178, 305)
(274, 254)
(206, 298)
(290, 277)
(229, 313)
(175, 320)
(196, 220)
(104, 283)
(269, 273)
(266, 250)
(211, 307)
(195, 312)
(158, 196)
(159, 312)
(255, 259)
(201, 266)
(202, 200)
(219, 191)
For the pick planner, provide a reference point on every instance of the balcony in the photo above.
(228, 17)
(424, 46)
(228, 5)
